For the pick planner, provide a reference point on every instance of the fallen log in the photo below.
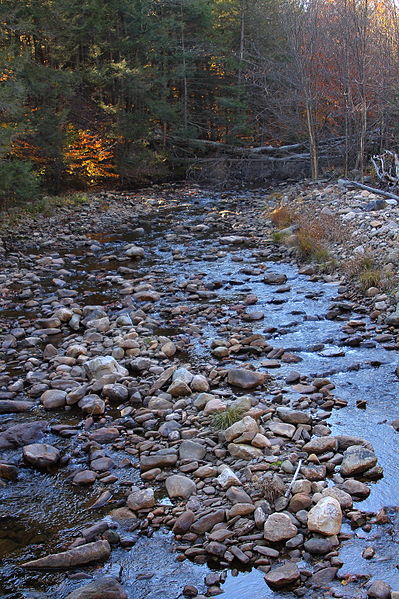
(381, 192)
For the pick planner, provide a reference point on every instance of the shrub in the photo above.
(223, 420)
(365, 270)
(279, 237)
(310, 248)
(282, 217)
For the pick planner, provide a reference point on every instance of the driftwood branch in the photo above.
(288, 491)
(387, 167)
(381, 192)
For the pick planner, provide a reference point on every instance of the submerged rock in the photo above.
(103, 588)
(357, 459)
(41, 455)
(22, 434)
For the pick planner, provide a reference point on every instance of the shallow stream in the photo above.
(43, 510)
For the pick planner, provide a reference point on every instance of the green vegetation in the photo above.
(365, 270)
(223, 420)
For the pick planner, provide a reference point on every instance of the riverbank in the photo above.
(137, 331)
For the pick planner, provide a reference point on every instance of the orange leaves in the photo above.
(89, 156)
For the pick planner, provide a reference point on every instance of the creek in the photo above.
(42, 510)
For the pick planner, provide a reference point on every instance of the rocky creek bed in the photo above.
(130, 327)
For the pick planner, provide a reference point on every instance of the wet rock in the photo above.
(355, 488)
(140, 500)
(379, 590)
(8, 471)
(102, 366)
(103, 588)
(180, 486)
(323, 576)
(85, 477)
(84, 554)
(278, 527)
(22, 434)
(190, 591)
(319, 545)
(356, 460)
(9, 406)
(325, 517)
(245, 379)
(134, 252)
(184, 522)
(283, 576)
(273, 278)
(242, 431)
(41, 455)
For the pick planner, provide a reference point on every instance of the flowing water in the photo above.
(41, 510)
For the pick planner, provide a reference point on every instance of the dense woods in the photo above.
(125, 92)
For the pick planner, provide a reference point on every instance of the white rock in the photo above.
(325, 517)
(227, 478)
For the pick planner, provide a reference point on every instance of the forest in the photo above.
(122, 93)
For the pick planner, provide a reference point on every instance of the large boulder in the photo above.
(190, 450)
(325, 517)
(245, 379)
(279, 527)
(84, 554)
(41, 455)
(102, 366)
(357, 459)
(242, 431)
(140, 500)
(178, 485)
(102, 588)
(53, 398)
